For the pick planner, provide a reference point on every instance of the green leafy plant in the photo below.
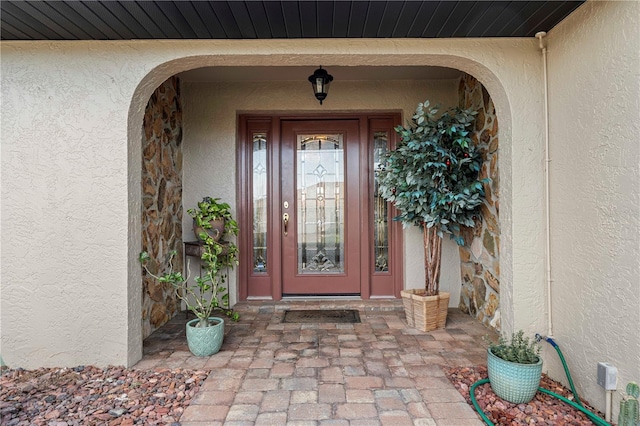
(518, 349)
(208, 291)
(432, 179)
(210, 209)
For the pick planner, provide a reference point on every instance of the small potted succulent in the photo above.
(432, 179)
(515, 368)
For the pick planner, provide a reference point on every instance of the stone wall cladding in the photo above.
(161, 200)
(480, 256)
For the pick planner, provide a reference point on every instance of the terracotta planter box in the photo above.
(425, 313)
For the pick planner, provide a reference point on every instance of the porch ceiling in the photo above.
(271, 19)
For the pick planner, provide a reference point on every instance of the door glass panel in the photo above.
(259, 192)
(320, 203)
(380, 212)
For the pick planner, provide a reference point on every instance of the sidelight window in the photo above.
(259, 197)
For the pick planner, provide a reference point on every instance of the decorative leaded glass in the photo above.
(320, 203)
(259, 197)
(380, 212)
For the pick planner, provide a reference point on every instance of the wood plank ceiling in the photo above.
(271, 19)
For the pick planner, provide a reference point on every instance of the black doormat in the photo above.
(320, 316)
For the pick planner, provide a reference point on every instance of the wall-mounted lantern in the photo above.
(320, 81)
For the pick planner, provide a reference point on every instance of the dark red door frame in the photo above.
(269, 285)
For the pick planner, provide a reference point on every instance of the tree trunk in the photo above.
(432, 257)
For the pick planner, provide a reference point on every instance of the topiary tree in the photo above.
(432, 178)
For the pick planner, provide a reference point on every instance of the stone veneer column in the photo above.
(480, 256)
(162, 200)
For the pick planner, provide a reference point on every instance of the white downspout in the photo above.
(540, 36)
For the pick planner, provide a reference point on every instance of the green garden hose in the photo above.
(577, 404)
(593, 417)
(564, 365)
(472, 394)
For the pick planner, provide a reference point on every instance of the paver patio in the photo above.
(378, 372)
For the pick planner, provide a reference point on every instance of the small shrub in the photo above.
(518, 349)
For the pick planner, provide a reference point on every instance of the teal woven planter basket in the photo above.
(513, 382)
(205, 341)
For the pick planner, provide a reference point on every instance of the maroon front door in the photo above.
(319, 200)
(312, 222)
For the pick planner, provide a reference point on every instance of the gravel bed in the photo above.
(96, 396)
(542, 410)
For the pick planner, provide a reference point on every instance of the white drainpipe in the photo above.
(540, 36)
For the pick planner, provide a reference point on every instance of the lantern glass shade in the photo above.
(320, 81)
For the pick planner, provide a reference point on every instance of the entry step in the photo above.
(268, 306)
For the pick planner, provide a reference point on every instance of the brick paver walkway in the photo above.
(378, 372)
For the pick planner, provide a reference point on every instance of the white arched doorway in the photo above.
(299, 92)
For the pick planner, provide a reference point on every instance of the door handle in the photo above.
(285, 221)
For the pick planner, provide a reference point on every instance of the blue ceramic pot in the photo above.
(205, 341)
(511, 381)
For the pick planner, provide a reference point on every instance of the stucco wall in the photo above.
(210, 142)
(64, 205)
(71, 204)
(594, 101)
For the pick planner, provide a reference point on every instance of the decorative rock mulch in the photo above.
(96, 396)
(542, 410)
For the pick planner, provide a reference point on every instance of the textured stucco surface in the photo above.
(594, 101)
(210, 140)
(71, 131)
(64, 167)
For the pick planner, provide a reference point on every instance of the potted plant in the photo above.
(432, 178)
(212, 218)
(208, 291)
(515, 368)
